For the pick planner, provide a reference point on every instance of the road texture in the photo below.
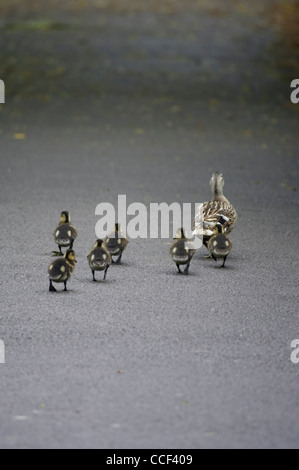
(147, 100)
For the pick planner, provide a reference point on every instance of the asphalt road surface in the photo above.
(147, 101)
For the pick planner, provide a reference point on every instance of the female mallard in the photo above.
(116, 243)
(99, 259)
(61, 269)
(219, 244)
(65, 234)
(205, 222)
(182, 250)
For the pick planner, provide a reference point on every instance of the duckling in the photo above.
(65, 233)
(217, 207)
(61, 269)
(182, 250)
(116, 243)
(219, 244)
(99, 258)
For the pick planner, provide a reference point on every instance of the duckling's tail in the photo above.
(180, 259)
(64, 241)
(57, 278)
(99, 264)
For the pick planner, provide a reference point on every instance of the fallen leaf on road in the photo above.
(19, 136)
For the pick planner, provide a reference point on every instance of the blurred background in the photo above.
(206, 49)
(191, 85)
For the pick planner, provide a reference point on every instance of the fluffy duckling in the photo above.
(212, 210)
(182, 250)
(99, 259)
(65, 233)
(61, 269)
(219, 244)
(116, 243)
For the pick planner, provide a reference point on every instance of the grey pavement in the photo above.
(146, 100)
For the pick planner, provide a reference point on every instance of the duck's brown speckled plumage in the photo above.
(205, 224)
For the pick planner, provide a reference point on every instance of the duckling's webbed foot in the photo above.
(93, 276)
(223, 265)
(179, 270)
(186, 271)
(56, 253)
(51, 287)
(118, 261)
(65, 289)
(105, 273)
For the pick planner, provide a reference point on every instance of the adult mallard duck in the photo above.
(219, 244)
(61, 269)
(116, 243)
(182, 250)
(65, 233)
(206, 223)
(99, 259)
